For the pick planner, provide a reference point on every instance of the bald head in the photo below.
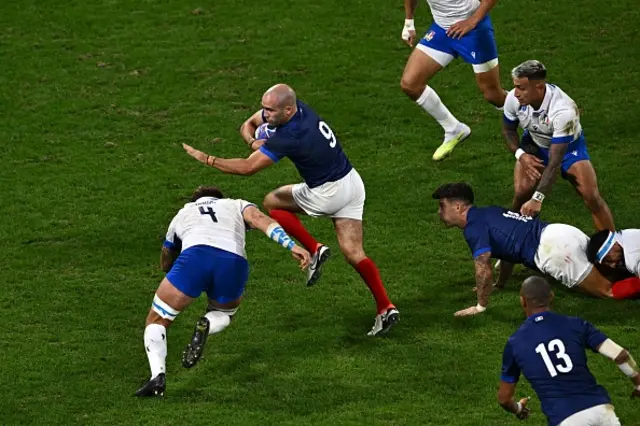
(279, 104)
(536, 291)
(281, 95)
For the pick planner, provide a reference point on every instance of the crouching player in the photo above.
(204, 250)
(556, 249)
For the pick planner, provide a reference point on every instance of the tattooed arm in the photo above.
(484, 280)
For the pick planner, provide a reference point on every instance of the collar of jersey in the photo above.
(545, 313)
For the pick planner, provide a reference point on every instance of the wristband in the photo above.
(408, 23)
(212, 162)
(277, 234)
(481, 308)
(519, 153)
(538, 196)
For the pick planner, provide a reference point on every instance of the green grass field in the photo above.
(95, 99)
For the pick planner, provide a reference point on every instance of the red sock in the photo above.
(626, 289)
(295, 228)
(371, 276)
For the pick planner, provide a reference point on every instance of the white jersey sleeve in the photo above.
(511, 106)
(631, 247)
(565, 125)
(171, 240)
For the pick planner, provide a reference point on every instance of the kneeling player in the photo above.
(555, 249)
(204, 251)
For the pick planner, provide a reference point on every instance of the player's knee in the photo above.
(494, 95)
(269, 202)
(411, 88)
(353, 255)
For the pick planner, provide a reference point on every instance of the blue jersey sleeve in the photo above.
(593, 337)
(477, 236)
(277, 147)
(510, 369)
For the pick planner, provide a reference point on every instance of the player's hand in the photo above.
(531, 208)
(198, 155)
(533, 166)
(468, 312)
(525, 410)
(635, 393)
(460, 29)
(409, 32)
(302, 256)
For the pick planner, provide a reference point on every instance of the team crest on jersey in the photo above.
(430, 35)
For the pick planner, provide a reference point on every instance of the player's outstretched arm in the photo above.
(258, 220)
(248, 128)
(235, 166)
(624, 361)
(484, 281)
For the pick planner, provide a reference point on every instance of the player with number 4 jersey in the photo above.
(549, 350)
(331, 186)
(204, 251)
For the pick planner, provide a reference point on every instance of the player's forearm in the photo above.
(410, 8)
(233, 166)
(511, 405)
(550, 173)
(484, 278)
(483, 286)
(511, 139)
(484, 8)
(247, 130)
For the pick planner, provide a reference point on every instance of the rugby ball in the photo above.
(264, 132)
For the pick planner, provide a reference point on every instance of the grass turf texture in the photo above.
(97, 97)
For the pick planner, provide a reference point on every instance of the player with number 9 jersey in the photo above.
(331, 186)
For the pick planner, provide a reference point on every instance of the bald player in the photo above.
(549, 349)
(331, 186)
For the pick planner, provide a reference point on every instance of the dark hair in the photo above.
(537, 292)
(596, 241)
(206, 191)
(454, 191)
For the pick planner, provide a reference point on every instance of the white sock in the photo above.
(430, 102)
(155, 343)
(218, 321)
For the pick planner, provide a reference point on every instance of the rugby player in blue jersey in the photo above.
(549, 349)
(331, 186)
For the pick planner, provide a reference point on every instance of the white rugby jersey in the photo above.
(557, 120)
(448, 12)
(212, 222)
(629, 239)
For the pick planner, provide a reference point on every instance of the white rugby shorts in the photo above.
(600, 415)
(562, 254)
(343, 198)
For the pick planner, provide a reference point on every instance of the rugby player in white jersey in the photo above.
(619, 251)
(552, 142)
(204, 251)
(461, 28)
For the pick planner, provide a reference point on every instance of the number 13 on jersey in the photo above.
(556, 345)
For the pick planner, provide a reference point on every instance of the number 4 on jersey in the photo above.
(210, 212)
